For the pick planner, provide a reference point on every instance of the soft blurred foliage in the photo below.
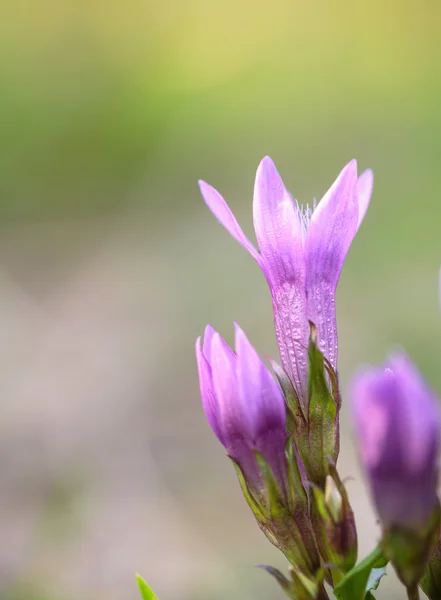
(111, 265)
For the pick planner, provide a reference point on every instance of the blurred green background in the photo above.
(111, 265)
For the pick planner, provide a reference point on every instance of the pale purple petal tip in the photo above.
(206, 346)
(365, 186)
(222, 212)
(207, 392)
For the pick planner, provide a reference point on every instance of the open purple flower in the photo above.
(243, 404)
(301, 255)
(398, 432)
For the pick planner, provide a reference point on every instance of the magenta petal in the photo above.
(206, 345)
(257, 389)
(365, 185)
(209, 402)
(278, 227)
(397, 426)
(222, 212)
(263, 397)
(279, 233)
(330, 233)
(421, 412)
(233, 414)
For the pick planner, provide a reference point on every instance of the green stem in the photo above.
(413, 593)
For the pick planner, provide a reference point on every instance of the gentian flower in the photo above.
(243, 404)
(397, 426)
(301, 254)
(398, 432)
(246, 410)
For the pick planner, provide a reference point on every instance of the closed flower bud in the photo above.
(334, 524)
(244, 406)
(246, 410)
(397, 425)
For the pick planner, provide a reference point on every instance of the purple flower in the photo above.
(397, 425)
(243, 404)
(301, 255)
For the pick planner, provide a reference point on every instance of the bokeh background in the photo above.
(111, 265)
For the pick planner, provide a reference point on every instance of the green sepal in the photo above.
(357, 584)
(275, 503)
(298, 496)
(431, 580)
(333, 378)
(254, 504)
(322, 416)
(409, 550)
(334, 524)
(284, 583)
(257, 507)
(300, 587)
(296, 411)
(289, 522)
(146, 592)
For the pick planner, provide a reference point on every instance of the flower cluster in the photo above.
(281, 429)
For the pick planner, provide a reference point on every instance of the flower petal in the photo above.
(397, 424)
(278, 227)
(330, 233)
(234, 418)
(209, 402)
(365, 185)
(279, 233)
(222, 212)
(257, 389)
(266, 407)
(419, 413)
(206, 346)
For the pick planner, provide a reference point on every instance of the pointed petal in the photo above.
(206, 346)
(279, 233)
(209, 402)
(222, 212)
(330, 233)
(258, 390)
(278, 227)
(233, 414)
(266, 407)
(419, 412)
(365, 185)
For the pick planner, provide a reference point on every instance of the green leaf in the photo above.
(363, 578)
(146, 592)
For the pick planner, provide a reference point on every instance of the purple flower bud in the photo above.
(397, 425)
(243, 404)
(301, 255)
